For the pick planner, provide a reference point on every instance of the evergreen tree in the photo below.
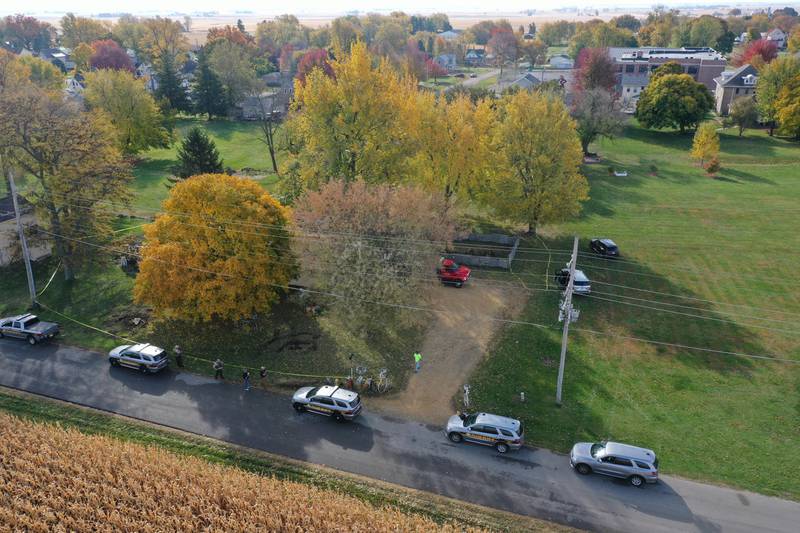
(197, 155)
(208, 93)
(170, 89)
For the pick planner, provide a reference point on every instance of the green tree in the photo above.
(771, 80)
(231, 65)
(43, 73)
(208, 93)
(597, 114)
(73, 165)
(170, 88)
(132, 109)
(673, 101)
(743, 113)
(537, 176)
(705, 145)
(670, 67)
(195, 266)
(81, 55)
(76, 30)
(198, 154)
(788, 107)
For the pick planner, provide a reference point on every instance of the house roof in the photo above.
(736, 78)
(527, 81)
(777, 33)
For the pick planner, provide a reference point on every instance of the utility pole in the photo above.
(567, 314)
(25, 254)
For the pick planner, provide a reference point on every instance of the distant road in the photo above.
(469, 82)
(531, 482)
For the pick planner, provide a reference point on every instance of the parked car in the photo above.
(28, 327)
(582, 284)
(473, 75)
(604, 247)
(451, 273)
(460, 75)
(145, 358)
(637, 465)
(489, 430)
(329, 400)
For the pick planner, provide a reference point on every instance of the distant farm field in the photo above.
(705, 262)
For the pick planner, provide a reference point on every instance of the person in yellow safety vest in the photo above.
(417, 361)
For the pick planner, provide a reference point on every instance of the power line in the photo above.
(445, 311)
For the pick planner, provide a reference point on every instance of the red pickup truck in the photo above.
(451, 273)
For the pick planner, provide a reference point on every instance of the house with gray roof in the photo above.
(732, 85)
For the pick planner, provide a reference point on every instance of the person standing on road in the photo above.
(246, 379)
(178, 355)
(218, 367)
(417, 361)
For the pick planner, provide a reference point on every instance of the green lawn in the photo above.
(239, 146)
(731, 239)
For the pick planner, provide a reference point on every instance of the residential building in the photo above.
(475, 57)
(449, 35)
(446, 61)
(58, 57)
(733, 85)
(633, 64)
(777, 36)
(561, 61)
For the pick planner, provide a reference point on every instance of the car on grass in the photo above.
(637, 465)
(328, 400)
(145, 358)
(500, 432)
(28, 327)
(451, 273)
(604, 247)
(582, 284)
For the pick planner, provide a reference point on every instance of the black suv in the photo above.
(604, 247)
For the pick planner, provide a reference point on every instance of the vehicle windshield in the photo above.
(520, 429)
(355, 402)
(469, 420)
(655, 463)
(581, 283)
(612, 248)
(312, 392)
(597, 448)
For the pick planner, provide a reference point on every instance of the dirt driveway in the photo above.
(454, 345)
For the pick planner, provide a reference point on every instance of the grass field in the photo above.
(238, 144)
(198, 481)
(727, 246)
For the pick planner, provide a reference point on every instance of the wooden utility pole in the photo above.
(26, 256)
(567, 315)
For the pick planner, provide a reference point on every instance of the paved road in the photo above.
(532, 482)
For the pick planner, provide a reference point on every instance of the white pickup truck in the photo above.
(28, 327)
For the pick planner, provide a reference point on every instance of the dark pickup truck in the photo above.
(28, 327)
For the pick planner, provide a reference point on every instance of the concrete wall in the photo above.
(484, 260)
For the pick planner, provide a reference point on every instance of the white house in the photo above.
(778, 37)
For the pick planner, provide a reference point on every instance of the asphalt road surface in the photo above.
(532, 482)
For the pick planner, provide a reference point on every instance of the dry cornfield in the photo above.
(55, 479)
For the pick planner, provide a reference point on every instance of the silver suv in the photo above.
(490, 430)
(341, 404)
(637, 465)
(145, 358)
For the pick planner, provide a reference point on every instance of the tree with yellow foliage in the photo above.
(355, 124)
(220, 250)
(537, 177)
(705, 146)
(454, 153)
(132, 109)
(13, 73)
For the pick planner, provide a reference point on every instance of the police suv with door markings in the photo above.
(329, 400)
(145, 358)
(490, 430)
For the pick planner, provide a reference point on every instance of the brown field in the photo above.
(54, 479)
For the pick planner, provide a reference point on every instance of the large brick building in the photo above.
(634, 66)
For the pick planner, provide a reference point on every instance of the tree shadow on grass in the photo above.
(744, 176)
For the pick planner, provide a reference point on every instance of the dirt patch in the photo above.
(453, 346)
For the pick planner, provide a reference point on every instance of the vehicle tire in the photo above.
(636, 481)
(338, 417)
(143, 369)
(583, 469)
(114, 362)
(31, 340)
(455, 437)
(501, 447)
(299, 407)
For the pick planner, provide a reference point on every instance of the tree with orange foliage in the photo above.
(314, 58)
(232, 34)
(219, 250)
